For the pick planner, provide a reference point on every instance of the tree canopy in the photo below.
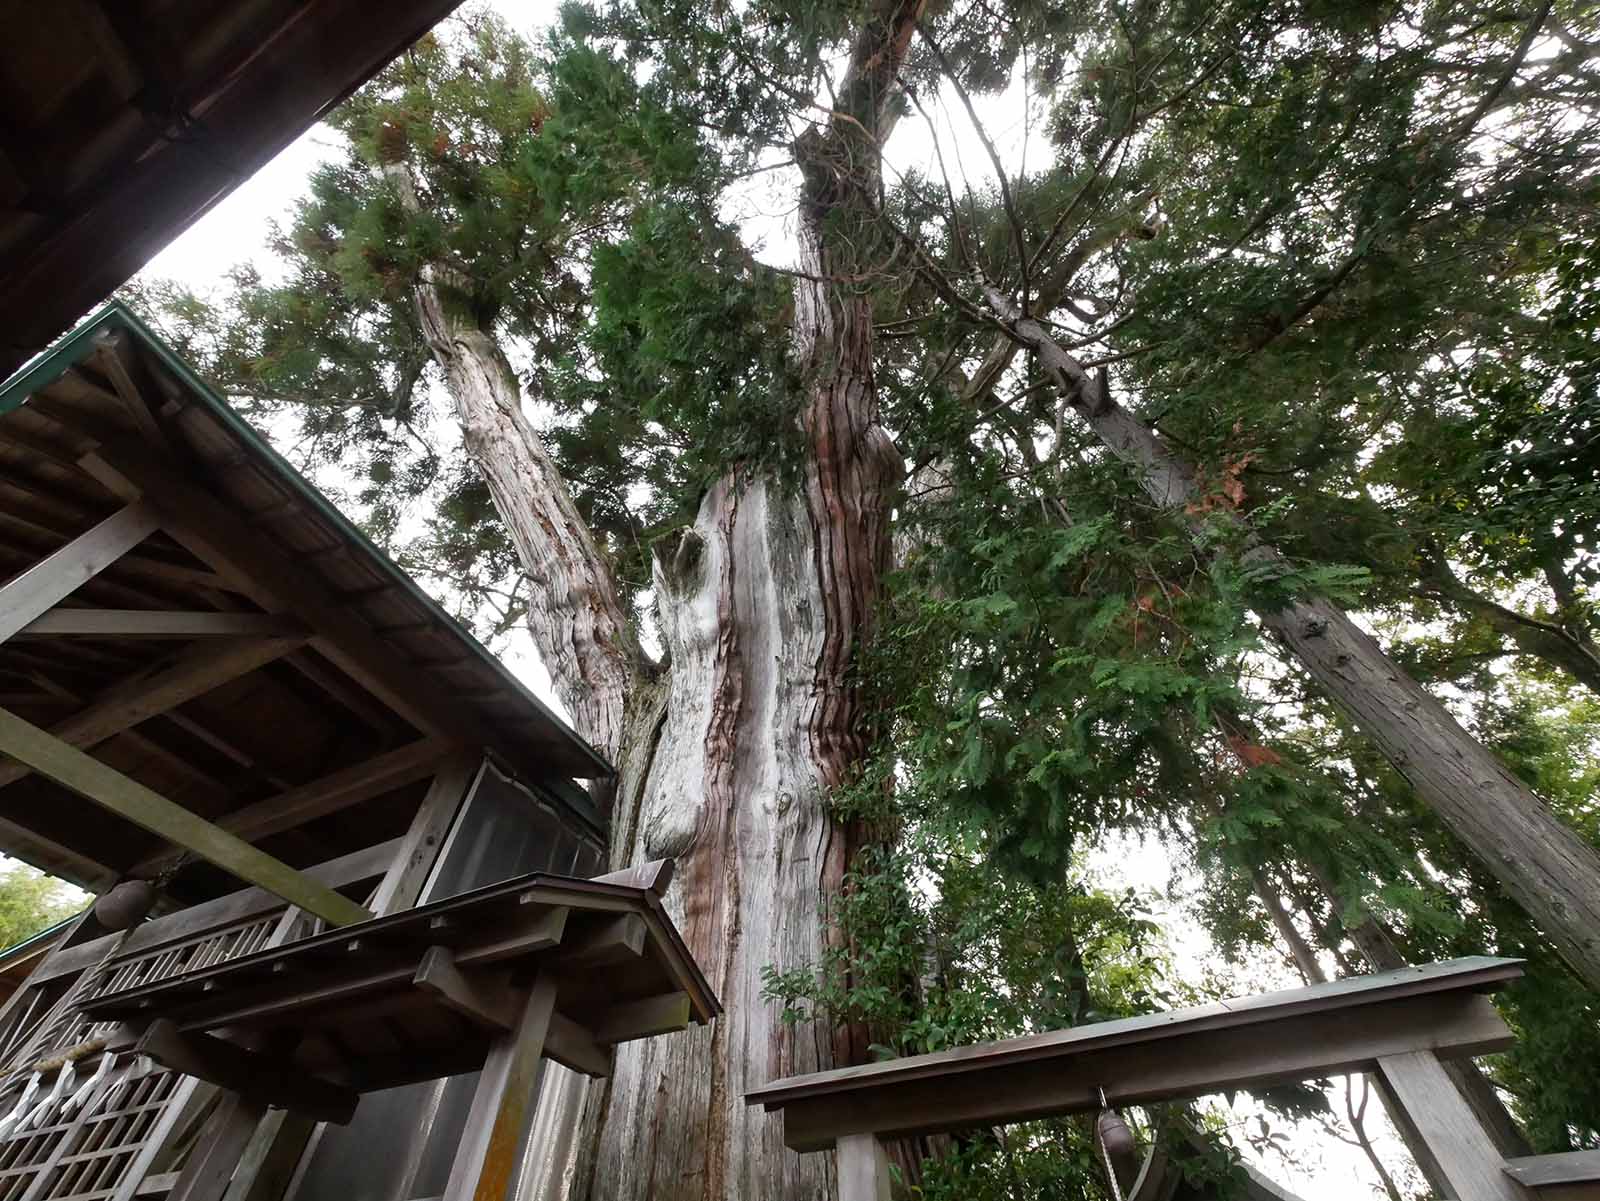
(1341, 258)
(31, 901)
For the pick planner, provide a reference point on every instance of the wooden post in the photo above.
(216, 1154)
(403, 883)
(1429, 1105)
(863, 1168)
(489, 1159)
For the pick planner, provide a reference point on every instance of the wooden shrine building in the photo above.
(374, 922)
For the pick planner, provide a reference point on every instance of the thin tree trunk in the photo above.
(1552, 643)
(1378, 947)
(1541, 863)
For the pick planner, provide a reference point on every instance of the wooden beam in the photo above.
(59, 575)
(209, 530)
(979, 1086)
(642, 1019)
(486, 1163)
(192, 674)
(402, 886)
(652, 877)
(255, 1074)
(127, 798)
(485, 998)
(354, 868)
(331, 793)
(114, 358)
(863, 1169)
(156, 623)
(1550, 1171)
(614, 941)
(572, 1046)
(1432, 1107)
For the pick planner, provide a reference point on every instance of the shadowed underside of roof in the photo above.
(127, 119)
(242, 656)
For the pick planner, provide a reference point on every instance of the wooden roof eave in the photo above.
(558, 747)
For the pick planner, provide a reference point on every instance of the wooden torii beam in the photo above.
(1398, 1024)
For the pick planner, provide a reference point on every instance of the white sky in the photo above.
(1321, 1169)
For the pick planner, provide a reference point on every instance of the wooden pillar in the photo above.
(489, 1159)
(221, 1145)
(863, 1168)
(1430, 1106)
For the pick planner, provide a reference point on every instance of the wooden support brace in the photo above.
(1429, 1104)
(250, 1073)
(863, 1168)
(641, 1019)
(485, 998)
(572, 1046)
(59, 575)
(487, 1162)
(129, 799)
(616, 941)
(403, 883)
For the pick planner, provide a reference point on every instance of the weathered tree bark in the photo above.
(728, 752)
(1542, 864)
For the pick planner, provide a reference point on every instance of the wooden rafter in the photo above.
(40, 751)
(338, 790)
(62, 622)
(59, 575)
(192, 674)
(218, 537)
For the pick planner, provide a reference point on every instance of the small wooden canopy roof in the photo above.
(229, 640)
(127, 119)
(422, 993)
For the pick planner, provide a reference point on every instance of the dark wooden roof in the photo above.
(379, 670)
(127, 119)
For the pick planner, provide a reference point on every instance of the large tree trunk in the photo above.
(1541, 863)
(728, 754)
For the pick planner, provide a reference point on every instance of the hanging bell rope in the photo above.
(1119, 1151)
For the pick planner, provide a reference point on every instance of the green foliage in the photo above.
(579, 209)
(1343, 257)
(31, 901)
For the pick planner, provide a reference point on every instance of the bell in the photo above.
(125, 905)
(1118, 1143)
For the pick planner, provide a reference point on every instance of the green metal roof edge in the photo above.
(79, 344)
(19, 949)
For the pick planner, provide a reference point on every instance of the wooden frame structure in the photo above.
(497, 980)
(175, 589)
(210, 679)
(1398, 1025)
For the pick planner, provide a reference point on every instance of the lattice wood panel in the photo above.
(102, 1149)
